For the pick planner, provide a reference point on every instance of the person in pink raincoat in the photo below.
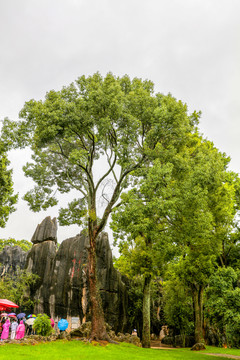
(5, 331)
(20, 331)
(52, 323)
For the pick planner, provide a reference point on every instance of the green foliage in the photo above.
(42, 325)
(222, 306)
(185, 204)
(116, 119)
(7, 198)
(16, 288)
(135, 293)
(177, 305)
(23, 244)
(230, 254)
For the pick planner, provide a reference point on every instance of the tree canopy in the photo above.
(7, 198)
(117, 121)
(23, 244)
(185, 203)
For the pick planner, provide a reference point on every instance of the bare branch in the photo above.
(107, 173)
(116, 194)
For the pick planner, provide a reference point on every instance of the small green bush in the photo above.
(42, 325)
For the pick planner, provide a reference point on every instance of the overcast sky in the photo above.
(190, 48)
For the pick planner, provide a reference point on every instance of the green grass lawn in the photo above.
(217, 350)
(78, 350)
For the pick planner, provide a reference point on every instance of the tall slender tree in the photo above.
(204, 215)
(141, 230)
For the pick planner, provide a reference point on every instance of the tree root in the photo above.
(105, 337)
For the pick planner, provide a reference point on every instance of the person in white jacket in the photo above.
(14, 326)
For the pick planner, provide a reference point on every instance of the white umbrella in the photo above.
(30, 321)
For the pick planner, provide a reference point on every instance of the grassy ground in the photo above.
(216, 350)
(77, 350)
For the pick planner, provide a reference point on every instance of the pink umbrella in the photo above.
(7, 303)
(52, 323)
(3, 314)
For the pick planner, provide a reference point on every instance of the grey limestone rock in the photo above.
(62, 289)
(198, 347)
(40, 261)
(47, 230)
(11, 258)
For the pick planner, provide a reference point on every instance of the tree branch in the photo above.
(115, 195)
(81, 166)
(107, 173)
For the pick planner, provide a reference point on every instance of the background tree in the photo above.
(230, 253)
(222, 307)
(23, 244)
(177, 306)
(186, 202)
(16, 286)
(204, 213)
(112, 119)
(142, 223)
(138, 223)
(7, 198)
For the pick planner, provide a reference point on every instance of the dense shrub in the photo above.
(42, 325)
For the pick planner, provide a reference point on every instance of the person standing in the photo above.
(20, 331)
(5, 331)
(1, 328)
(14, 326)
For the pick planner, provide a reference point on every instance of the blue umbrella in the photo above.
(21, 315)
(62, 324)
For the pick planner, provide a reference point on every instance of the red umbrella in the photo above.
(3, 308)
(8, 304)
(12, 314)
(4, 314)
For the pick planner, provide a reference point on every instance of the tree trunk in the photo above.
(146, 313)
(198, 313)
(97, 316)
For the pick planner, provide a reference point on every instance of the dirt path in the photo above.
(224, 355)
(162, 348)
(156, 344)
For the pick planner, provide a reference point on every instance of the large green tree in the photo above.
(139, 227)
(7, 198)
(186, 203)
(204, 213)
(142, 220)
(116, 120)
(15, 287)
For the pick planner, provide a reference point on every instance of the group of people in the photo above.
(17, 329)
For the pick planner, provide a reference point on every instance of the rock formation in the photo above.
(62, 288)
(47, 230)
(11, 258)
